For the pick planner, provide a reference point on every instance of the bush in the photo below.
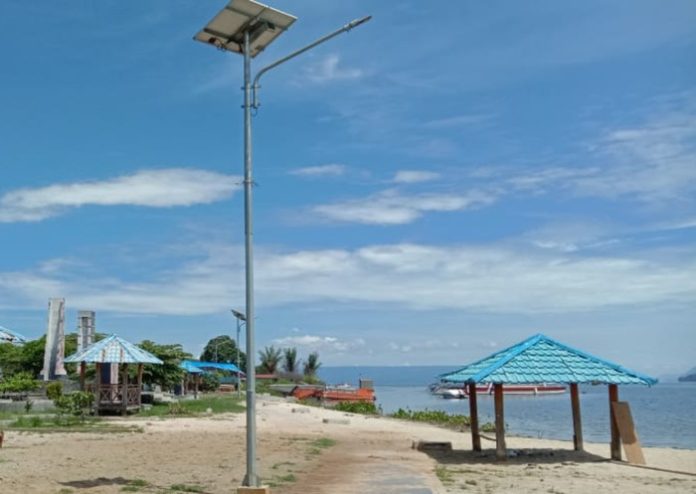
(433, 417)
(19, 383)
(364, 407)
(54, 391)
(209, 382)
(78, 404)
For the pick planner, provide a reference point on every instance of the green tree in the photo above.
(168, 374)
(312, 365)
(290, 362)
(10, 359)
(223, 349)
(269, 359)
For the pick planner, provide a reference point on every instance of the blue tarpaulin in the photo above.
(208, 366)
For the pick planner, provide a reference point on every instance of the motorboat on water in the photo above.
(457, 391)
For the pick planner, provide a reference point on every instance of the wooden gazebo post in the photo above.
(83, 368)
(577, 421)
(473, 415)
(97, 385)
(124, 397)
(140, 384)
(500, 449)
(615, 438)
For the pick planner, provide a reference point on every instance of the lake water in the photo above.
(665, 414)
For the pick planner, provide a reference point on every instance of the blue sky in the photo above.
(441, 182)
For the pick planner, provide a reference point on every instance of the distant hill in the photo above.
(689, 376)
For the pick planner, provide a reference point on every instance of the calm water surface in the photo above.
(665, 414)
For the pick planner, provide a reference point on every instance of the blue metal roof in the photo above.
(541, 359)
(190, 368)
(11, 336)
(114, 350)
(210, 365)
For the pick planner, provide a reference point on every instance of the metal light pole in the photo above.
(247, 27)
(241, 319)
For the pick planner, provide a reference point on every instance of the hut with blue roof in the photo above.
(541, 359)
(123, 396)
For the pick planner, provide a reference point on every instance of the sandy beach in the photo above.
(313, 450)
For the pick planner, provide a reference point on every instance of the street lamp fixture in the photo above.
(241, 319)
(248, 27)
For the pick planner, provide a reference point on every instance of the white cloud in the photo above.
(414, 176)
(651, 163)
(392, 208)
(332, 169)
(320, 343)
(153, 188)
(328, 70)
(486, 278)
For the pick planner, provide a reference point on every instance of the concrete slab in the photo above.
(264, 489)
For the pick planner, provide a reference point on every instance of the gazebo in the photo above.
(536, 360)
(109, 396)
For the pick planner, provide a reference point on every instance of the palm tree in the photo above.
(269, 359)
(312, 365)
(290, 362)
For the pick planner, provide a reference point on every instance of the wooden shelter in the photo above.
(122, 396)
(537, 360)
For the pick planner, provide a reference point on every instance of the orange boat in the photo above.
(337, 393)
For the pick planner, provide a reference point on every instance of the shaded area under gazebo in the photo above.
(537, 360)
(194, 369)
(122, 396)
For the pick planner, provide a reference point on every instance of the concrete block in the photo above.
(264, 489)
(432, 446)
(336, 421)
(300, 410)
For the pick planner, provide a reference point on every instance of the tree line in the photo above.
(26, 361)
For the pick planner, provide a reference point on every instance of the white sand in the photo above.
(370, 455)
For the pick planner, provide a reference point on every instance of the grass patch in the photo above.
(188, 408)
(66, 424)
(281, 480)
(317, 445)
(276, 466)
(323, 443)
(186, 488)
(445, 475)
(135, 485)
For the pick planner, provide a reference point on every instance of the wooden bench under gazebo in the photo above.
(110, 393)
(537, 360)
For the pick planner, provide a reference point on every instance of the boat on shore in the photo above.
(329, 394)
(451, 391)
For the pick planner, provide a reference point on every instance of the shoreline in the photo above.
(315, 450)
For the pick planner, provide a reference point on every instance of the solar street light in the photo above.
(247, 27)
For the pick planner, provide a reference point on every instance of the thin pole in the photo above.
(251, 478)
